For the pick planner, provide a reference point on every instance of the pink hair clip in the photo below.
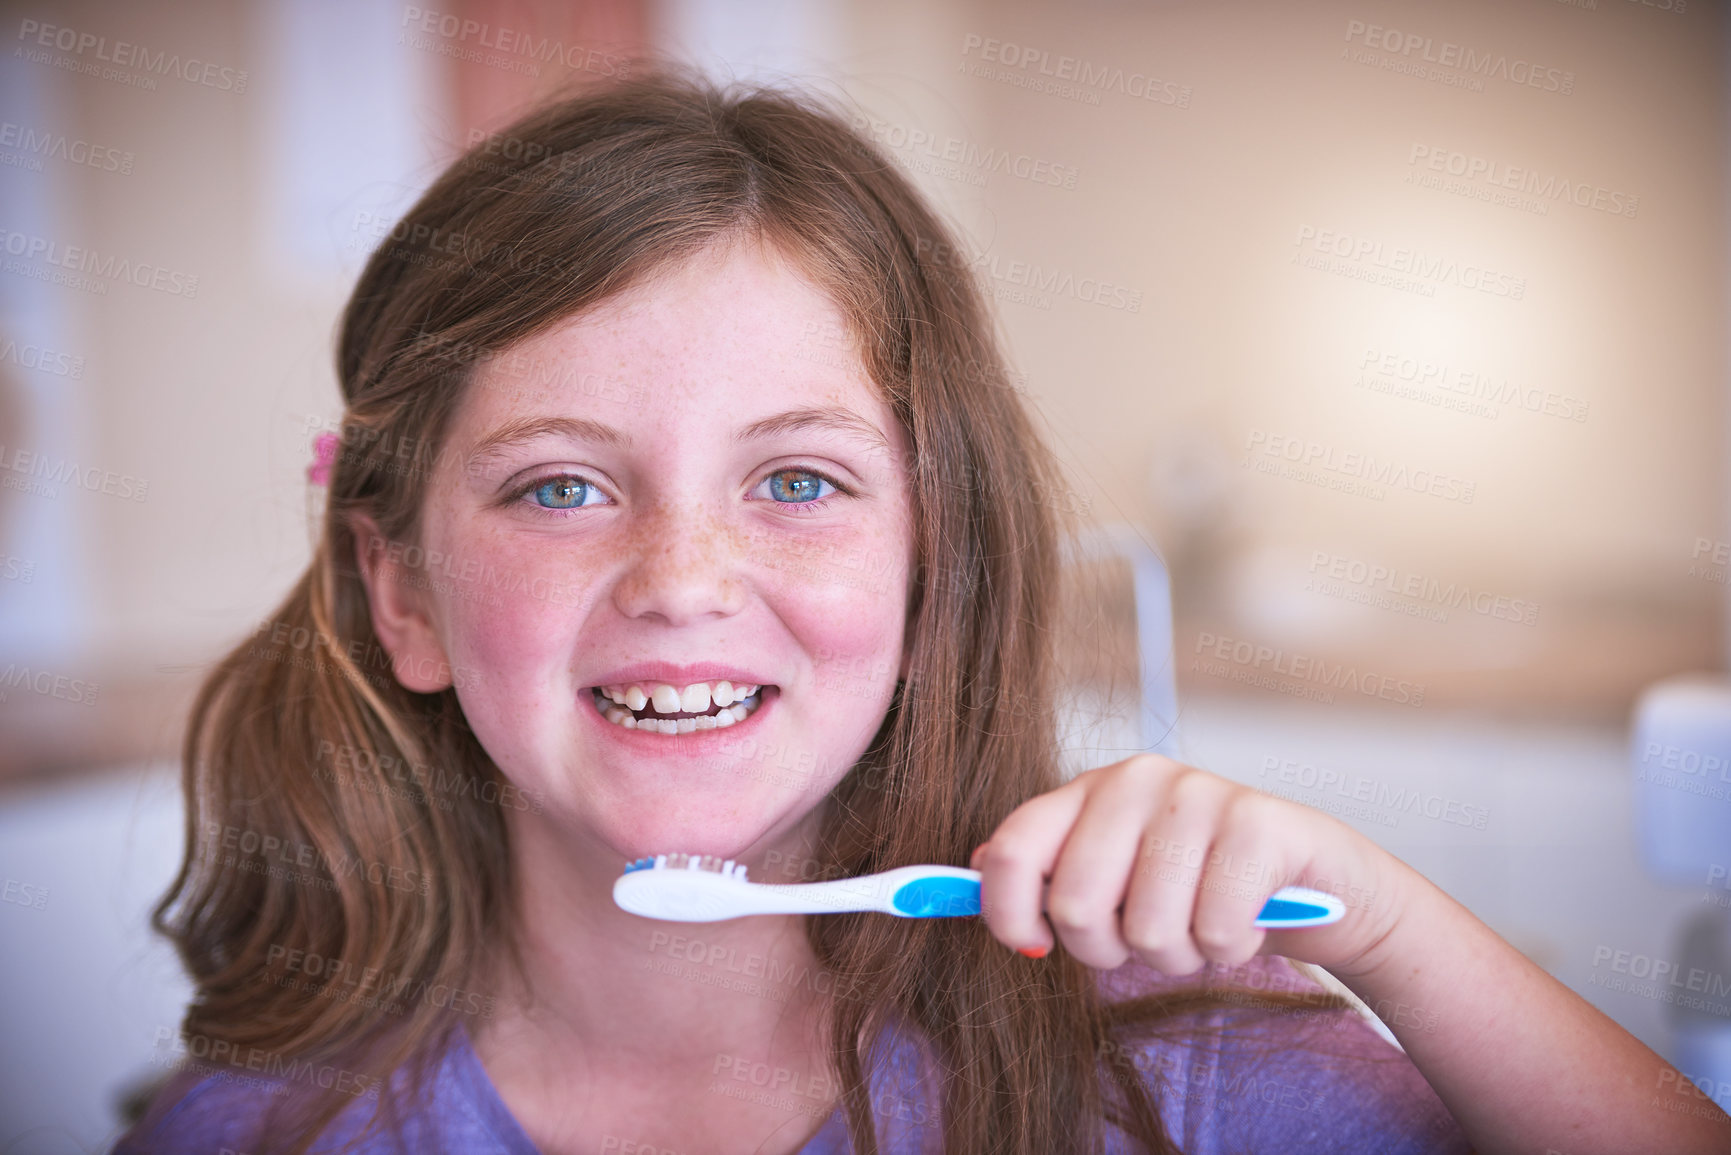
(324, 455)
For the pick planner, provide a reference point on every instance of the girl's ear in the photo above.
(399, 610)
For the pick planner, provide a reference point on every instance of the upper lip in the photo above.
(672, 674)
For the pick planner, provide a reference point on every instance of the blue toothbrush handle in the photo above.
(1288, 908)
(1292, 907)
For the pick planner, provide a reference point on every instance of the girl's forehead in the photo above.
(712, 345)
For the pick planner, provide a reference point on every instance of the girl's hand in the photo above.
(1152, 858)
(1156, 859)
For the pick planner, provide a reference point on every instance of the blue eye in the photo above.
(564, 493)
(797, 486)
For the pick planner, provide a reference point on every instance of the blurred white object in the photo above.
(86, 988)
(757, 41)
(1156, 721)
(1702, 1039)
(1680, 751)
(356, 129)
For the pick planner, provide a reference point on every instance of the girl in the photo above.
(680, 505)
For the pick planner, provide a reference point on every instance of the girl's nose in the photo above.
(682, 566)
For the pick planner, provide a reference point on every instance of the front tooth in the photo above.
(695, 699)
(723, 693)
(705, 721)
(724, 719)
(666, 699)
(686, 725)
(635, 698)
(669, 726)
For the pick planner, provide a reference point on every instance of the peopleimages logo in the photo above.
(1331, 574)
(1309, 459)
(1416, 50)
(1290, 672)
(217, 1057)
(1715, 568)
(38, 473)
(1396, 800)
(1367, 259)
(999, 272)
(1498, 176)
(1690, 771)
(959, 159)
(1067, 76)
(81, 262)
(41, 359)
(1401, 374)
(128, 55)
(1667, 978)
(58, 146)
(504, 43)
(48, 684)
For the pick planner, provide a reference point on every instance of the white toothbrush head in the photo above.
(683, 888)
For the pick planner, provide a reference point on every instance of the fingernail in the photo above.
(1033, 951)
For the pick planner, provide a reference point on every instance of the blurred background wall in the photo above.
(1396, 326)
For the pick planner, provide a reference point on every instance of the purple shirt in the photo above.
(1312, 1081)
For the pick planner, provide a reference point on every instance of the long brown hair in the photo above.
(568, 206)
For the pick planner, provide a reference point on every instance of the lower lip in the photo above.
(696, 742)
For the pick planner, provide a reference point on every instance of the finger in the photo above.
(1162, 899)
(1093, 867)
(1251, 859)
(1015, 862)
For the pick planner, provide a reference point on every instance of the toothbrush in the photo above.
(702, 888)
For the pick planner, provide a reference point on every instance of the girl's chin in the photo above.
(734, 830)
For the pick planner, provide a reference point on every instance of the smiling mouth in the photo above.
(663, 709)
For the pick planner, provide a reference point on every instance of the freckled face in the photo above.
(693, 480)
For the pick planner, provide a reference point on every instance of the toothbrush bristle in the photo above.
(707, 862)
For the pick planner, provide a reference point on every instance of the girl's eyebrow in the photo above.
(840, 420)
(514, 433)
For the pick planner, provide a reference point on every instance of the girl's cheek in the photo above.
(507, 634)
(848, 615)
(518, 643)
(523, 609)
